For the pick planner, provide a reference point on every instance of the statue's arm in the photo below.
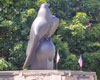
(37, 32)
(54, 25)
(31, 48)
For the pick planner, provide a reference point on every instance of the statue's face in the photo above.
(46, 5)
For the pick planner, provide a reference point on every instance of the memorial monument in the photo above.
(41, 50)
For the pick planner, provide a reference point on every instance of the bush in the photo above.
(71, 63)
(4, 65)
(92, 62)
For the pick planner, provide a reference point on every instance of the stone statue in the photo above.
(41, 50)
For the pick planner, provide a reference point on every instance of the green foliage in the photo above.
(62, 47)
(78, 32)
(71, 63)
(39, 2)
(15, 22)
(4, 65)
(74, 32)
(91, 62)
(81, 18)
(17, 54)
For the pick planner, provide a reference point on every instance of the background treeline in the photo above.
(78, 32)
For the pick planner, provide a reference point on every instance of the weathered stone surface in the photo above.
(63, 78)
(56, 77)
(47, 75)
(6, 79)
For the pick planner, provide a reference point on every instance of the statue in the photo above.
(41, 50)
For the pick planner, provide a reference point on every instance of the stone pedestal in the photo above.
(47, 75)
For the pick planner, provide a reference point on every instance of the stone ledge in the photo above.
(47, 75)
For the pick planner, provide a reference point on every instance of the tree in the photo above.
(15, 22)
(78, 31)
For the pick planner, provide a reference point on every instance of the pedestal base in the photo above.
(47, 75)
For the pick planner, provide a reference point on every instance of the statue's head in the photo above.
(44, 11)
(46, 5)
